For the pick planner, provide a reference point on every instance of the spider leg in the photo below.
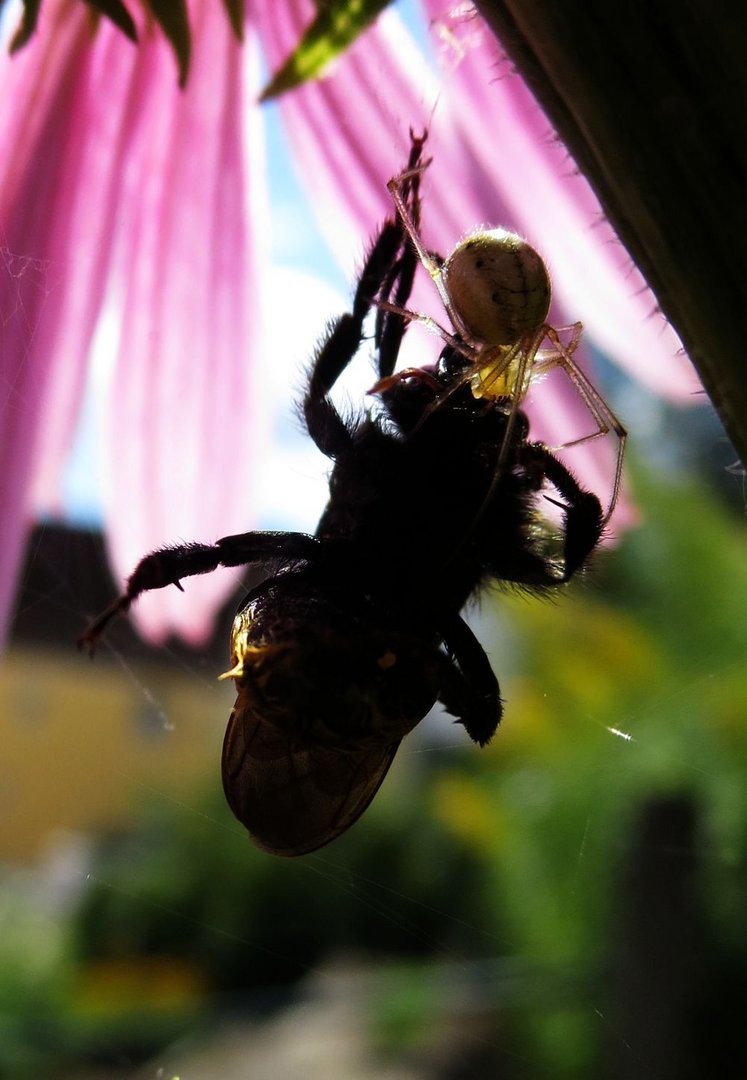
(398, 188)
(469, 690)
(169, 565)
(431, 325)
(601, 413)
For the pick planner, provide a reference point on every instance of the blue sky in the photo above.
(297, 248)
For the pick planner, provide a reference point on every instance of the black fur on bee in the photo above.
(358, 633)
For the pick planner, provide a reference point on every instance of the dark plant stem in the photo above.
(650, 97)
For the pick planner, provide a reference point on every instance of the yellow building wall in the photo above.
(83, 745)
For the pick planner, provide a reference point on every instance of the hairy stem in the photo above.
(649, 96)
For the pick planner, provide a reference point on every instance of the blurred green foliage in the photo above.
(627, 692)
(494, 878)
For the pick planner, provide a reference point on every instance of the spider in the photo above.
(435, 492)
(496, 292)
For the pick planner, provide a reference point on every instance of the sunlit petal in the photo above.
(350, 132)
(123, 195)
(53, 253)
(182, 433)
(514, 148)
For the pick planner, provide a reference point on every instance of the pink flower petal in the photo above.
(182, 434)
(512, 145)
(349, 133)
(121, 192)
(46, 318)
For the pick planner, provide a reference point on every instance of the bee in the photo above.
(435, 492)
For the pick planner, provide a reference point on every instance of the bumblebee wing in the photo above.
(294, 798)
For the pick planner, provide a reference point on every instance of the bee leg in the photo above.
(256, 547)
(392, 319)
(469, 689)
(341, 343)
(392, 322)
(584, 521)
(387, 276)
(169, 565)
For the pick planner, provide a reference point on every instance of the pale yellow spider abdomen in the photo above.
(498, 285)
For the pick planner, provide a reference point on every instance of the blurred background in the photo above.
(569, 902)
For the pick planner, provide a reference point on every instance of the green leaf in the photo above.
(112, 9)
(336, 26)
(171, 16)
(116, 12)
(27, 25)
(235, 11)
